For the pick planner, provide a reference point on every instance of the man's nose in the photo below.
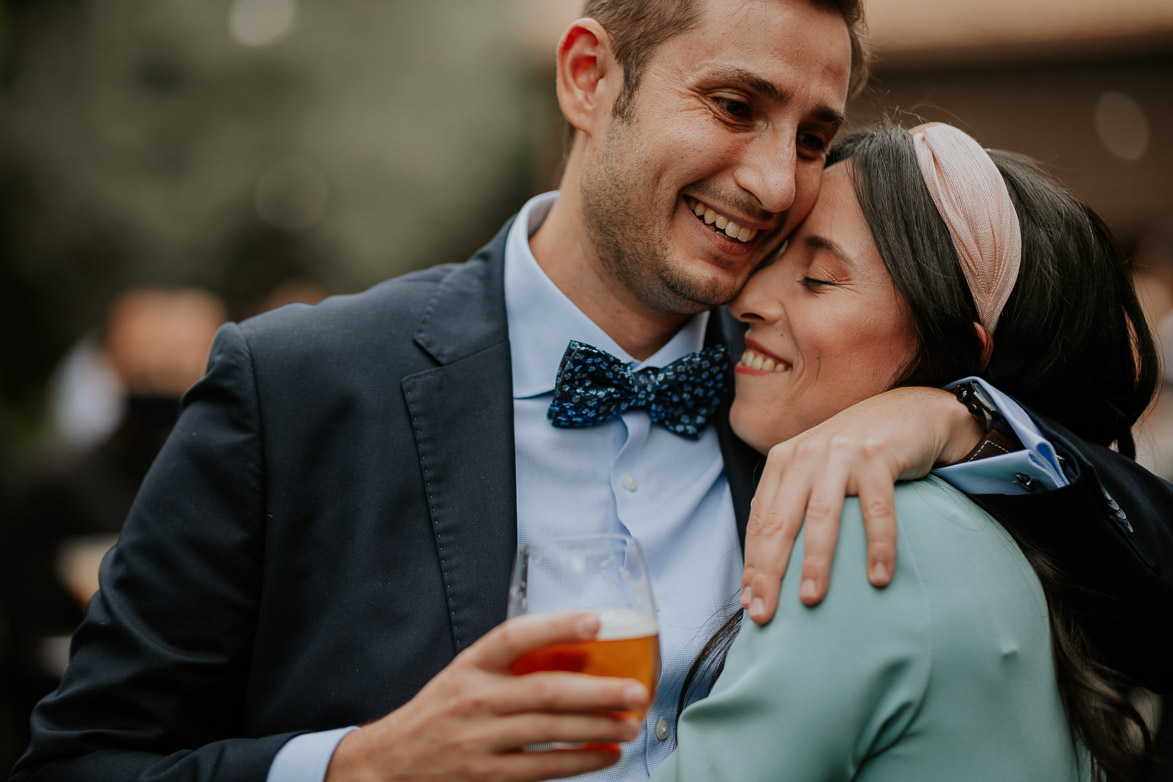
(766, 171)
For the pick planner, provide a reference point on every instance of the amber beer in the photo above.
(628, 646)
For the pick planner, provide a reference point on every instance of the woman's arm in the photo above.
(1124, 566)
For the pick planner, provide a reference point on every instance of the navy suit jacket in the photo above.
(330, 522)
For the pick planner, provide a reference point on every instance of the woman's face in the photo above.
(826, 325)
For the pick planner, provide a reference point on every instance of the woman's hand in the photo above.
(862, 451)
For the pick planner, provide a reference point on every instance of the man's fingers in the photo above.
(537, 728)
(537, 765)
(555, 691)
(497, 650)
(877, 501)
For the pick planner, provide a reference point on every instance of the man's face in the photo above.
(732, 121)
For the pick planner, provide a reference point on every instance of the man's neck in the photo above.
(562, 251)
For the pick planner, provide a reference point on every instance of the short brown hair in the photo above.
(637, 27)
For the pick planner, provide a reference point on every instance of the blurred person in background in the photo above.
(1153, 277)
(326, 539)
(1152, 273)
(156, 342)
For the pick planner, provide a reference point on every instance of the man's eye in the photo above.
(735, 109)
(812, 142)
(811, 282)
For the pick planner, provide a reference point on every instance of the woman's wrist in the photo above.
(964, 434)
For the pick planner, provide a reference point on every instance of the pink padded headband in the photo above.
(972, 198)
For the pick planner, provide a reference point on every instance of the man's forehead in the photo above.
(773, 47)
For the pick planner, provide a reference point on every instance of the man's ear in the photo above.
(587, 75)
(987, 343)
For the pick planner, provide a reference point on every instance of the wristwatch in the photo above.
(999, 435)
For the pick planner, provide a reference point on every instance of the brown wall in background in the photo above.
(1048, 110)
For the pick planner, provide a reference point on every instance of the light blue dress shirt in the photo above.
(615, 477)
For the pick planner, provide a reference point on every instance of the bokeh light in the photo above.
(1122, 125)
(261, 22)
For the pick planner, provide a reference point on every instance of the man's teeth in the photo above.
(722, 223)
(754, 360)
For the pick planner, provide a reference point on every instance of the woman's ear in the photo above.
(987, 343)
(586, 71)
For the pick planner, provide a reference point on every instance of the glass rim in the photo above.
(584, 537)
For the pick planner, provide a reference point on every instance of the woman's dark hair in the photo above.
(1071, 343)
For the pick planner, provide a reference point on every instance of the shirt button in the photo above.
(662, 729)
(629, 482)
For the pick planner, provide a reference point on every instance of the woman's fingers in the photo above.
(823, 512)
(878, 503)
(774, 521)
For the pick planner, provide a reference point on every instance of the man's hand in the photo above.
(864, 450)
(474, 718)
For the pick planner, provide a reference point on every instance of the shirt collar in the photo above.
(542, 320)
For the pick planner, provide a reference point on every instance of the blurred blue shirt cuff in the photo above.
(1035, 468)
(306, 757)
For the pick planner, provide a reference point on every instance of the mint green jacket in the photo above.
(944, 675)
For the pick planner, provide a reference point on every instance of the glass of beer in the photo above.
(604, 573)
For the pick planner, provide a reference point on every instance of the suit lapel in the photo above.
(462, 416)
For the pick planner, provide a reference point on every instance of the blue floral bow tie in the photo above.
(594, 386)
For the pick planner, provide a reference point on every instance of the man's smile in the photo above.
(719, 222)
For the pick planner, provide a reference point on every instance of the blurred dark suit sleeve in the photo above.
(1111, 532)
(168, 644)
(330, 522)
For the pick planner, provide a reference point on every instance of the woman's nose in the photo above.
(758, 302)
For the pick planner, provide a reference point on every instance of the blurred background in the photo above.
(167, 164)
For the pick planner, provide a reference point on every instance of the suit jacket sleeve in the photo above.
(158, 683)
(1111, 532)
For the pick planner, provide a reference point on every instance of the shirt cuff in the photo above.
(306, 757)
(1035, 468)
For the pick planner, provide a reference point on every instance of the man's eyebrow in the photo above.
(819, 243)
(773, 93)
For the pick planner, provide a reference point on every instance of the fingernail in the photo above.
(587, 626)
(746, 596)
(756, 607)
(635, 695)
(808, 590)
(879, 573)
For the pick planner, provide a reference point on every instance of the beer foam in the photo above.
(618, 623)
